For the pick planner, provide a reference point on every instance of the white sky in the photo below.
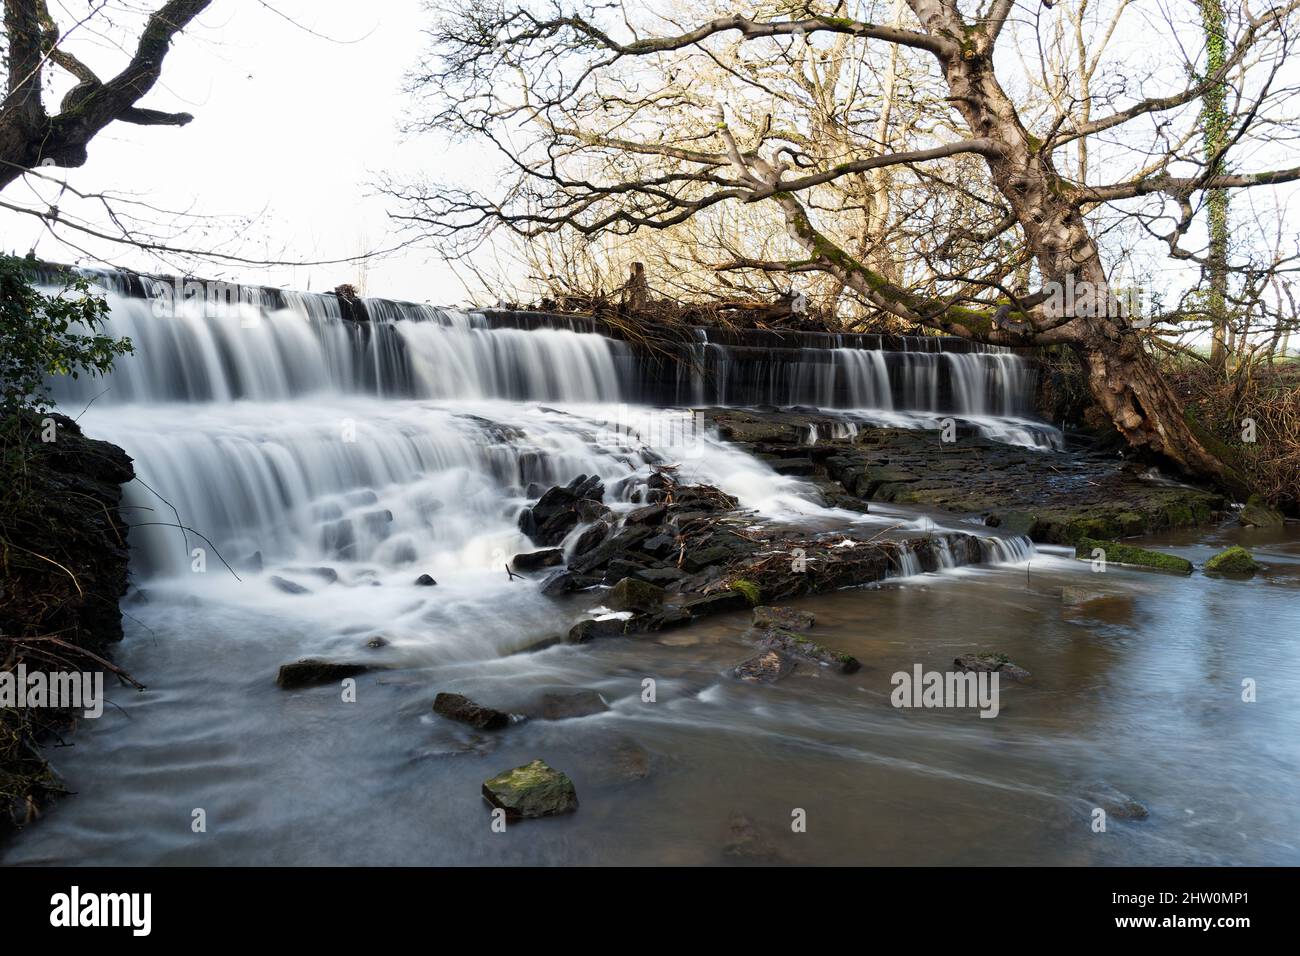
(289, 128)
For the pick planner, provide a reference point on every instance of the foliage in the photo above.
(43, 334)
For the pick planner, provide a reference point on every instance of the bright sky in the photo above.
(290, 129)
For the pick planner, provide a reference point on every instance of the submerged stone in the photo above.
(1115, 802)
(767, 667)
(990, 663)
(786, 617)
(288, 587)
(562, 705)
(1235, 561)
(531, 791)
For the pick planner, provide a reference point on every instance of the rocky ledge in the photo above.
(1056, 497)
(689, 551)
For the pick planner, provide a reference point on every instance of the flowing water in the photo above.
(291, 445)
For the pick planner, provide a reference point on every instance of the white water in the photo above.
(348, 459)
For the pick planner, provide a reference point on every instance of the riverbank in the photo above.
(64, 555)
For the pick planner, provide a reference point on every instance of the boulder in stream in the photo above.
(562, 705)
(1233, 562)
(533, 790)
(425, 581)
(461, 708)
(310, 672)
(804, 648)
(1126, 554)
(536, 560)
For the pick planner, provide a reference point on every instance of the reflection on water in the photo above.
(1141, 690)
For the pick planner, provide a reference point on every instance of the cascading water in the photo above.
(285, 436)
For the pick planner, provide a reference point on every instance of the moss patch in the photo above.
(748, 588)
(1136, 557)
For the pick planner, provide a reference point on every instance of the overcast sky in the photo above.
(290, 129)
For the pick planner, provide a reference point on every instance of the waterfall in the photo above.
(287, 436)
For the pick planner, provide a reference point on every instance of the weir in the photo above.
(292, 427)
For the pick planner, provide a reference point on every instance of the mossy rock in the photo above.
(1126, 554)
(533, 790)
(753, 594)
(631, 594)
(1234, 561)
(1258, 514)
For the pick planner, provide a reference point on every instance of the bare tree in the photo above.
(585, 106)
(31, 136)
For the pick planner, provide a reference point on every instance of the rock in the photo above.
(288, 587)
(533, 790)
(800, 647)
(1235, 561)
(786, 617)
(328, 575)
(541, 645)
(310, 672)
(660, 576)
(621, 542)
(707, 557)
(766, 668)
(660, 545)
(562, 705)
(461, 708)
(650, 514)
(990, 663)
(1116, 803)
(1258, 514)
(633, 595)
(557, 511)
(747, 842)
(618, 761)
(584, 631)
(536, 560)
(666, 619)
(1125, 554)
(1017, 522)
(425, 581)
(593, 536)
(377, 642)
(719, 602)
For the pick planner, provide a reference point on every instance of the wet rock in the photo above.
(800, 647)
(541, 645)
(660, 545)
(557, 511)
(620, 568)
(311, 672)
(1234, 562)
(563, 705)
(425, 581)
(666, 619)
(631, 594)
(786, 617)
(376, 642)
(1258, 514)
(650, 514)
(584, 631)
(1133, 557)
(288, 587)
(1116, 803)
(533, 790)
(719, 602)
(619, 543)
(593, 536)
(990, 663)
(536, 560)
(461, 708)
(767, 667)
(660, 576)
